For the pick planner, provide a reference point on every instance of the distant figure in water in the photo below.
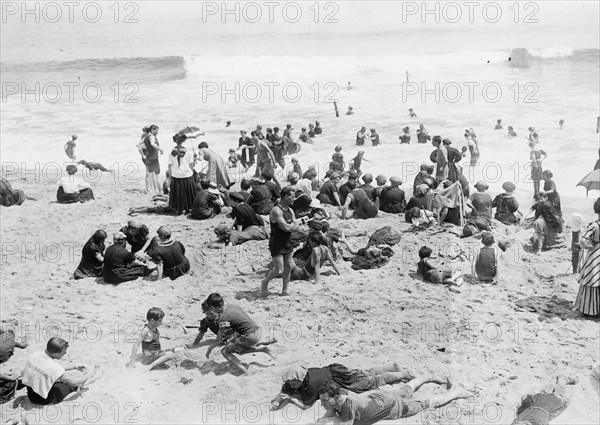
(411, 113)
(498, 124)
(561, 123)
(349, 87)
(70, 147)
(511, 132)
(405, 136)
(374, 137)
(532, 135)
(228, 123)
(350, 111)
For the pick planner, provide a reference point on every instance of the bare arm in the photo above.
(276, 216)
(135, 347)
(330, 258)
(215, 343)
(197, 340)
(345, 207)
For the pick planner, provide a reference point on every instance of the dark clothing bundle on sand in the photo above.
(10, 196)
(378, 251)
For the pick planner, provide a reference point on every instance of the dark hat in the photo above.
(236, 196)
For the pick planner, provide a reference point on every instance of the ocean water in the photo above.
(175, 72)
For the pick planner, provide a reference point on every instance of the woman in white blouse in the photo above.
(72, 189)
(181, 168)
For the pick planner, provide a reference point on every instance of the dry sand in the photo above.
(479, 335)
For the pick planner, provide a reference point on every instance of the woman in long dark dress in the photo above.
(171, 253)
(181, 169)
(92, 257)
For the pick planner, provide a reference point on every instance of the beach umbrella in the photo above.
(188, 131)
(591, 181)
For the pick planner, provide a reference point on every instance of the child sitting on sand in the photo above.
(152, 353)
(431, 271)
(485, 263)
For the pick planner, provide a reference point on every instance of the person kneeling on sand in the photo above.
(541, 407)
(432, 272)
(301, 385)
(149, 338)
(243, 334)
(47, 381)
(373, 406)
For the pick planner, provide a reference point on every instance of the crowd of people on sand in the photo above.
(301, 242)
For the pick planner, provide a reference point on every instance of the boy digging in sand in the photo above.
(153, 355)
(243, 334)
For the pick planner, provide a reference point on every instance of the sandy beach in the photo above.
(499, 341)
(186, 64)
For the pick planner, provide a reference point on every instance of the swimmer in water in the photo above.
(511, 132)
(349, 86)
(561, 123)
(70, 148)
(411, 113)
(498, 124)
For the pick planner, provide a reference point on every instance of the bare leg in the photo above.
(416, 383)
(233, 360)
(162, 359)
(440, 400)
(287, 271)
(276, 271)
(393, 373)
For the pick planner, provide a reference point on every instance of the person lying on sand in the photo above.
(301, 385)
(541, 407)
(49, 382)
(149, 338)
(92, 166)
(346, 407)
(237, 331)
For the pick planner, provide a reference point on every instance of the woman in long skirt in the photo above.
(181, 165)
(217, 170)
(588, 298)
